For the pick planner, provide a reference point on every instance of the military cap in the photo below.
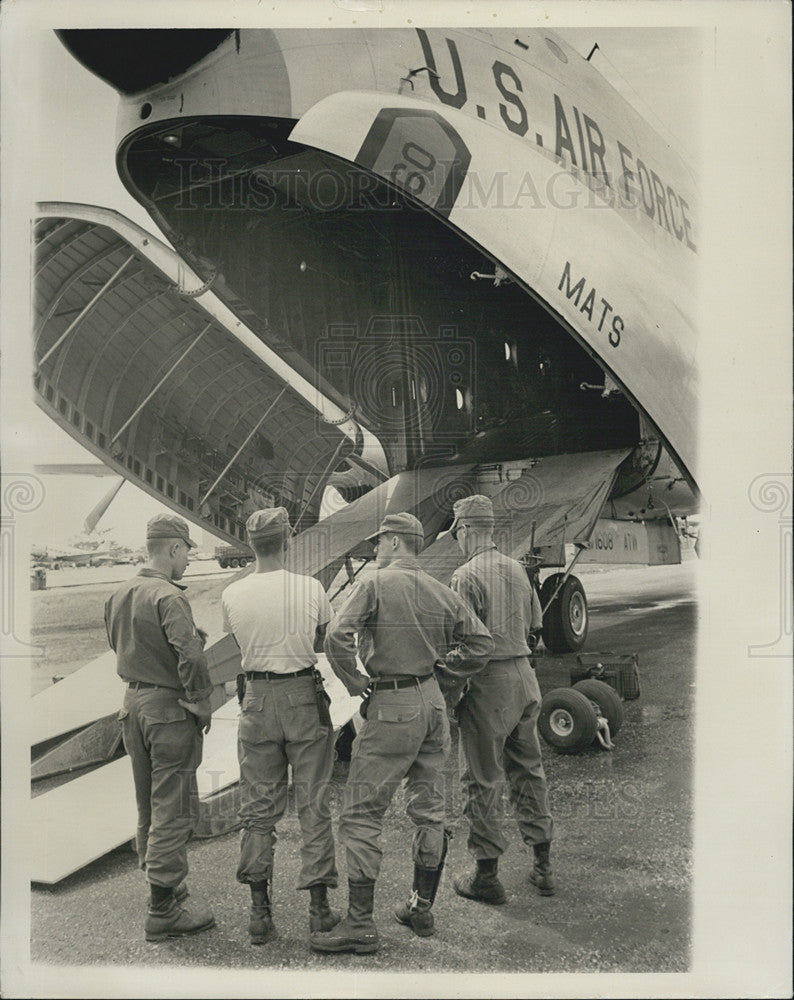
(269, 523)
(476, 510)
(399, 524)
(169, 526)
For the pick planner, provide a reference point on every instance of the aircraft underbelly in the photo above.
(551, 504)
(549, 228)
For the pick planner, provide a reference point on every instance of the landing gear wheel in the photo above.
(566, 620)
(607, 699)
(567, 720)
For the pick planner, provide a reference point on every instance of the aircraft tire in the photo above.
(567, 720)
(607, 699)
(566, 621)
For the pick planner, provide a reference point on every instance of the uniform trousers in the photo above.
(405, 736)
(164, 743)
(499, 740)
(280, 725)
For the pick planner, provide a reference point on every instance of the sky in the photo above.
(75, 161)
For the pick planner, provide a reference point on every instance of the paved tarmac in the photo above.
(622, 858)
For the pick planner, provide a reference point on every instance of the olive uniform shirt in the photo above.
(151, 629)
(408, 624)
(498, 590)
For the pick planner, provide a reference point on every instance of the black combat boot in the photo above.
(168, 918)
(416, 912)
(260, 926)
(483, 884)
(541, 876)
(357, 932)
(321, 916)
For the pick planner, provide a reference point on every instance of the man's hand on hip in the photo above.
(202, 711)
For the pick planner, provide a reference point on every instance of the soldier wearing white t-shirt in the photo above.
(277, 619)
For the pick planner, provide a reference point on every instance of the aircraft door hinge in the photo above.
(606, 389)
(499, 277)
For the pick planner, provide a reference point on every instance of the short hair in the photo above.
(154, 546)
(265, 547)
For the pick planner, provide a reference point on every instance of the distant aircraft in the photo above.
(411, 264)
(90, 547)
(448, 258)
(55, 556)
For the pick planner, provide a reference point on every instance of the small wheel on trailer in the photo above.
(607, 699)
(566, 619)
(567, 720)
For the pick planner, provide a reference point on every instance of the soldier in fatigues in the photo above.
(159, 652)
(277, 619)
(414, 634)
(499, 711)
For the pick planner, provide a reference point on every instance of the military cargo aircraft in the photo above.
(91, 546)
(410, 264)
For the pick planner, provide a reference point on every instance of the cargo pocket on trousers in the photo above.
(171, 734)
(396, 730)
(303, 722)
(252, 726)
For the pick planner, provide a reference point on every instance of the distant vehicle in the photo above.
(56, 556)
(453, 262)
(230, 557)
(119, 558)
(440, 318)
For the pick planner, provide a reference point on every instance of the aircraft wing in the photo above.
(624, 290)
